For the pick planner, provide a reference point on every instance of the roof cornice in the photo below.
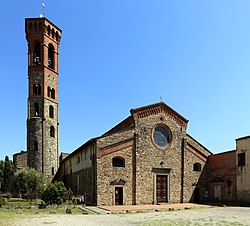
(157, 108)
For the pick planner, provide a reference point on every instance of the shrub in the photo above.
(54, 193)
(2, 201)
(74, 200)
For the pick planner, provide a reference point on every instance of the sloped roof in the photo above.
(127, 123)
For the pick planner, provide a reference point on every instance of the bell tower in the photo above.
(43, 39)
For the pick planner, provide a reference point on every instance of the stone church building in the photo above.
(148, 158)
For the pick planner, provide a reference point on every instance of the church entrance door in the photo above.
(162, 188)
(118, 195)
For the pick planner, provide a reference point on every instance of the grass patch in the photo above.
(7, 216)
(23, 203)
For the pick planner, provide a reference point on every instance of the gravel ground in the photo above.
(204, 216)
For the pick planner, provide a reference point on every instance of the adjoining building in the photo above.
(221, 178)
(20, 160)
(243, 169)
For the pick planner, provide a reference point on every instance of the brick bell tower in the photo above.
(43, 39)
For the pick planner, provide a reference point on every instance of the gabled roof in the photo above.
(80, 148)
(158, 108)
(197, 142)
(126, 124)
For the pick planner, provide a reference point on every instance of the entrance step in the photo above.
(95, 210)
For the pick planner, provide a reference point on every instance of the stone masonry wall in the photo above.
(20, 160)
(51, 149)
(192, 178)
(114, 138)
(106, 174)
(78, 172)
(34, 133)
(195, 153)
(148, 156)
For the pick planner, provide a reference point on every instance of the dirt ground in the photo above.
(203, 216)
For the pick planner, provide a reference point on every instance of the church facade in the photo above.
(148, 158)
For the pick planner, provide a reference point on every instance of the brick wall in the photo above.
(221, 177)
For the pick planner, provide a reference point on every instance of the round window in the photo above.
(161, 137)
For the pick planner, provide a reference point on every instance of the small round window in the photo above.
(161, 137)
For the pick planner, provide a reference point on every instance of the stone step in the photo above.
(95, 209)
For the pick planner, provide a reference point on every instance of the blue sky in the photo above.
(118, 55)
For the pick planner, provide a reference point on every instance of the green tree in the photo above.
(1, 173)
(55, 193)
(29, 183)
(7, 174)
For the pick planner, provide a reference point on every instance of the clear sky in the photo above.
(121, 54)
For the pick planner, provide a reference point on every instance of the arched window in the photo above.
(51, 111)
(49, 91)
(48, 30)
(37, 112)
(197, 167)
(118, 162)
(51, 56)
(53, 94)
(52, 131)
(35, 145)
(37, 53)
(36, 89)
(57, 36)
(53, 32)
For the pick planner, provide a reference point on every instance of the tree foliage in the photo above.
(2, 201)
(8, 171)
(55, 193)
(1, 173)
(29, 183)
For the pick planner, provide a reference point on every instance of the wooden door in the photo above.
(217, 192)
(161, 188)
(196, 195)
(118, 195)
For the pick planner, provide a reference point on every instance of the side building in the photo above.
(243, 169)
(221, 178)
(148, 158)
(20, 160)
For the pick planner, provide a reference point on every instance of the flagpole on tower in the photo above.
(42, 14)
